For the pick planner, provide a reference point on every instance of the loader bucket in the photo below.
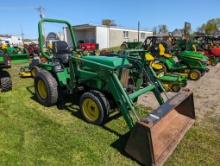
(153, 139)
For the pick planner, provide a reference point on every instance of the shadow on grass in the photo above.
(71, 104)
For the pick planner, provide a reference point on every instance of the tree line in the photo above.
(211, 27)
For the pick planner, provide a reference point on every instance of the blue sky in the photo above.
(20, 14)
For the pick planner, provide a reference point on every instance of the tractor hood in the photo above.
(109, 61)
(193, 55)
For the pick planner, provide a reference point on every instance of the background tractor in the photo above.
(5, 79)
(106, 83)
(189, 63)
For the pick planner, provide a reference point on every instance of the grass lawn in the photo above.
(31, 134)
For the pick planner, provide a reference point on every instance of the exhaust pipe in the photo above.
(154, 138)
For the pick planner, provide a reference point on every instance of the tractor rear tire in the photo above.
(5, 81)
(195, 75)
(46, 88)
(94, 107)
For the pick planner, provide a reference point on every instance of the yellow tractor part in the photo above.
(4, 46)
(149, 57)
(194, 48)
(157, 66)
(162, 51)
(167, 86)
(25, 74)
(154, 65)
(42, 89)
(90, 109)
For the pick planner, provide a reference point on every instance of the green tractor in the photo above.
(113, 83)
(5, 79)
(189, 63)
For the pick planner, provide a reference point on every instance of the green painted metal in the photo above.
(109, 61)
(189, 60)
(16, 55)
(142, 91)
(1, 59)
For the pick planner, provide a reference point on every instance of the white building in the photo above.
(11, 39)
(105, 36)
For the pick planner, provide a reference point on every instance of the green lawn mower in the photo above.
(5, 79)
(189, 63)
(171, 82)
(16, 54)
(110, 83)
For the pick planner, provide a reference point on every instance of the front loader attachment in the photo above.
(153, 138)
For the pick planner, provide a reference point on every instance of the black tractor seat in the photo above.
(61, 51)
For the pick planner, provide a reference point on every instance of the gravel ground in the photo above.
(206, 94)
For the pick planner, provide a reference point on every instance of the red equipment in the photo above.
(32, 49)
(216, 51)
(89, 46)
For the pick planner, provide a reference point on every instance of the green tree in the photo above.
(211, 26)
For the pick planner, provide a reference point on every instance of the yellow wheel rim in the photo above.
(42, 90)
(194, 75)
(90, 109)
(33, 72)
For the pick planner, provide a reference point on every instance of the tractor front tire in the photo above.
(195, 75)
(213, 61)
(46, 89)
(5, 81)
(34, 71)
(94, 107)
(164, 68)
(176, 88)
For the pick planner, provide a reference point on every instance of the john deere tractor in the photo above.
(113, 83)
(5, 79)
(189, 63)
